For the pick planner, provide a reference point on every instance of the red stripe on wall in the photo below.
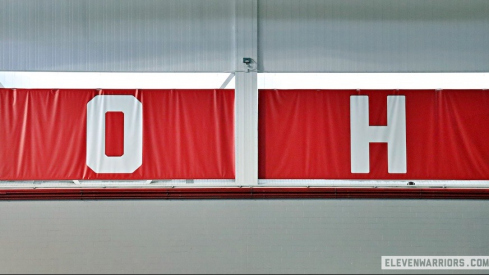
(244, 193)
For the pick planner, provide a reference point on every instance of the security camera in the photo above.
(247, 60)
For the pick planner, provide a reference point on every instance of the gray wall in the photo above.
(117, 35)
(373, 35)
(201, 36)
(237, 236)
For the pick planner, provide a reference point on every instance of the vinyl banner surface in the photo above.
(116, 134)
(350, 134)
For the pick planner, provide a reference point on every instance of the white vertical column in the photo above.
(246, 104)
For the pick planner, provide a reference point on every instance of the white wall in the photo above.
(106, 80)
(94, 80)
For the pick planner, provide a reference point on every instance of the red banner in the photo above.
(116, 134)
(399, 134)
(189, 134)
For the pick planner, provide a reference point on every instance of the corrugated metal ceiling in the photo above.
(200, 36)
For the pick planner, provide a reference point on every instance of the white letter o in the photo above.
(132, 158)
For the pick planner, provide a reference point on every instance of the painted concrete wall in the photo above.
(236, 236)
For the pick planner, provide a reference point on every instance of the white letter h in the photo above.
(362, 134)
